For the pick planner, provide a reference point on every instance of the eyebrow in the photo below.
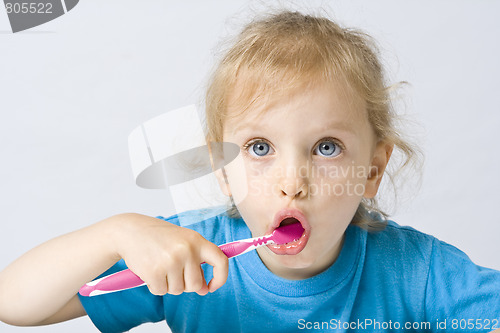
(245, 126)
(341, 126)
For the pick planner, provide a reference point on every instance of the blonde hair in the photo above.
(287, 51)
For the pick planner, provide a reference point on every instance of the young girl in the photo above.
(306, 102)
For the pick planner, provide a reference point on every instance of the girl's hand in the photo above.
(168, 257)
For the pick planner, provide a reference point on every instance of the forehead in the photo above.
(325, 105)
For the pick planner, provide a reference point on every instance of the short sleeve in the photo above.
(123, 310)
(464, 294)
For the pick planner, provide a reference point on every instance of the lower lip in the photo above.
(291, 248)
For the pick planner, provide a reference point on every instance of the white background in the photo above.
(73, 89)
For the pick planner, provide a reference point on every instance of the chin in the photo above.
(297, 261)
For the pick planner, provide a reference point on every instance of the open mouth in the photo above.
(286, 217)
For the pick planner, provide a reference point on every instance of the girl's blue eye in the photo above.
(328, 148)
(259, 148)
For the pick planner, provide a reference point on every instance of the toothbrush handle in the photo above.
(121, 280)
(127, 279)
(234, 249)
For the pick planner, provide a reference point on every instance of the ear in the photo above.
(222, 180)
(381, 156)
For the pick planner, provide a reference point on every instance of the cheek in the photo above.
(261, 178)
(237, 179)
(249, 179)
(339, 181)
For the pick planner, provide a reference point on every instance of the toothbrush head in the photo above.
(287, 233)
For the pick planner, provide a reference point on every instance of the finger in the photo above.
(216, 258)
(175, 280)
(204, 289)
(158, 285)
(193, 278)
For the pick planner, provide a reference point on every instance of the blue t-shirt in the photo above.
(398, 279)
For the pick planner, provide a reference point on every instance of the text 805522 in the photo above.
(29, 7)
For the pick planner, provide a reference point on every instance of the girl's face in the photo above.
(307, 156)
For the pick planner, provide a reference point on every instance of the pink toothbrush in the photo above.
(127, 279)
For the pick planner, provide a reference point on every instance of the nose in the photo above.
(293, 192)
(294, 178)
